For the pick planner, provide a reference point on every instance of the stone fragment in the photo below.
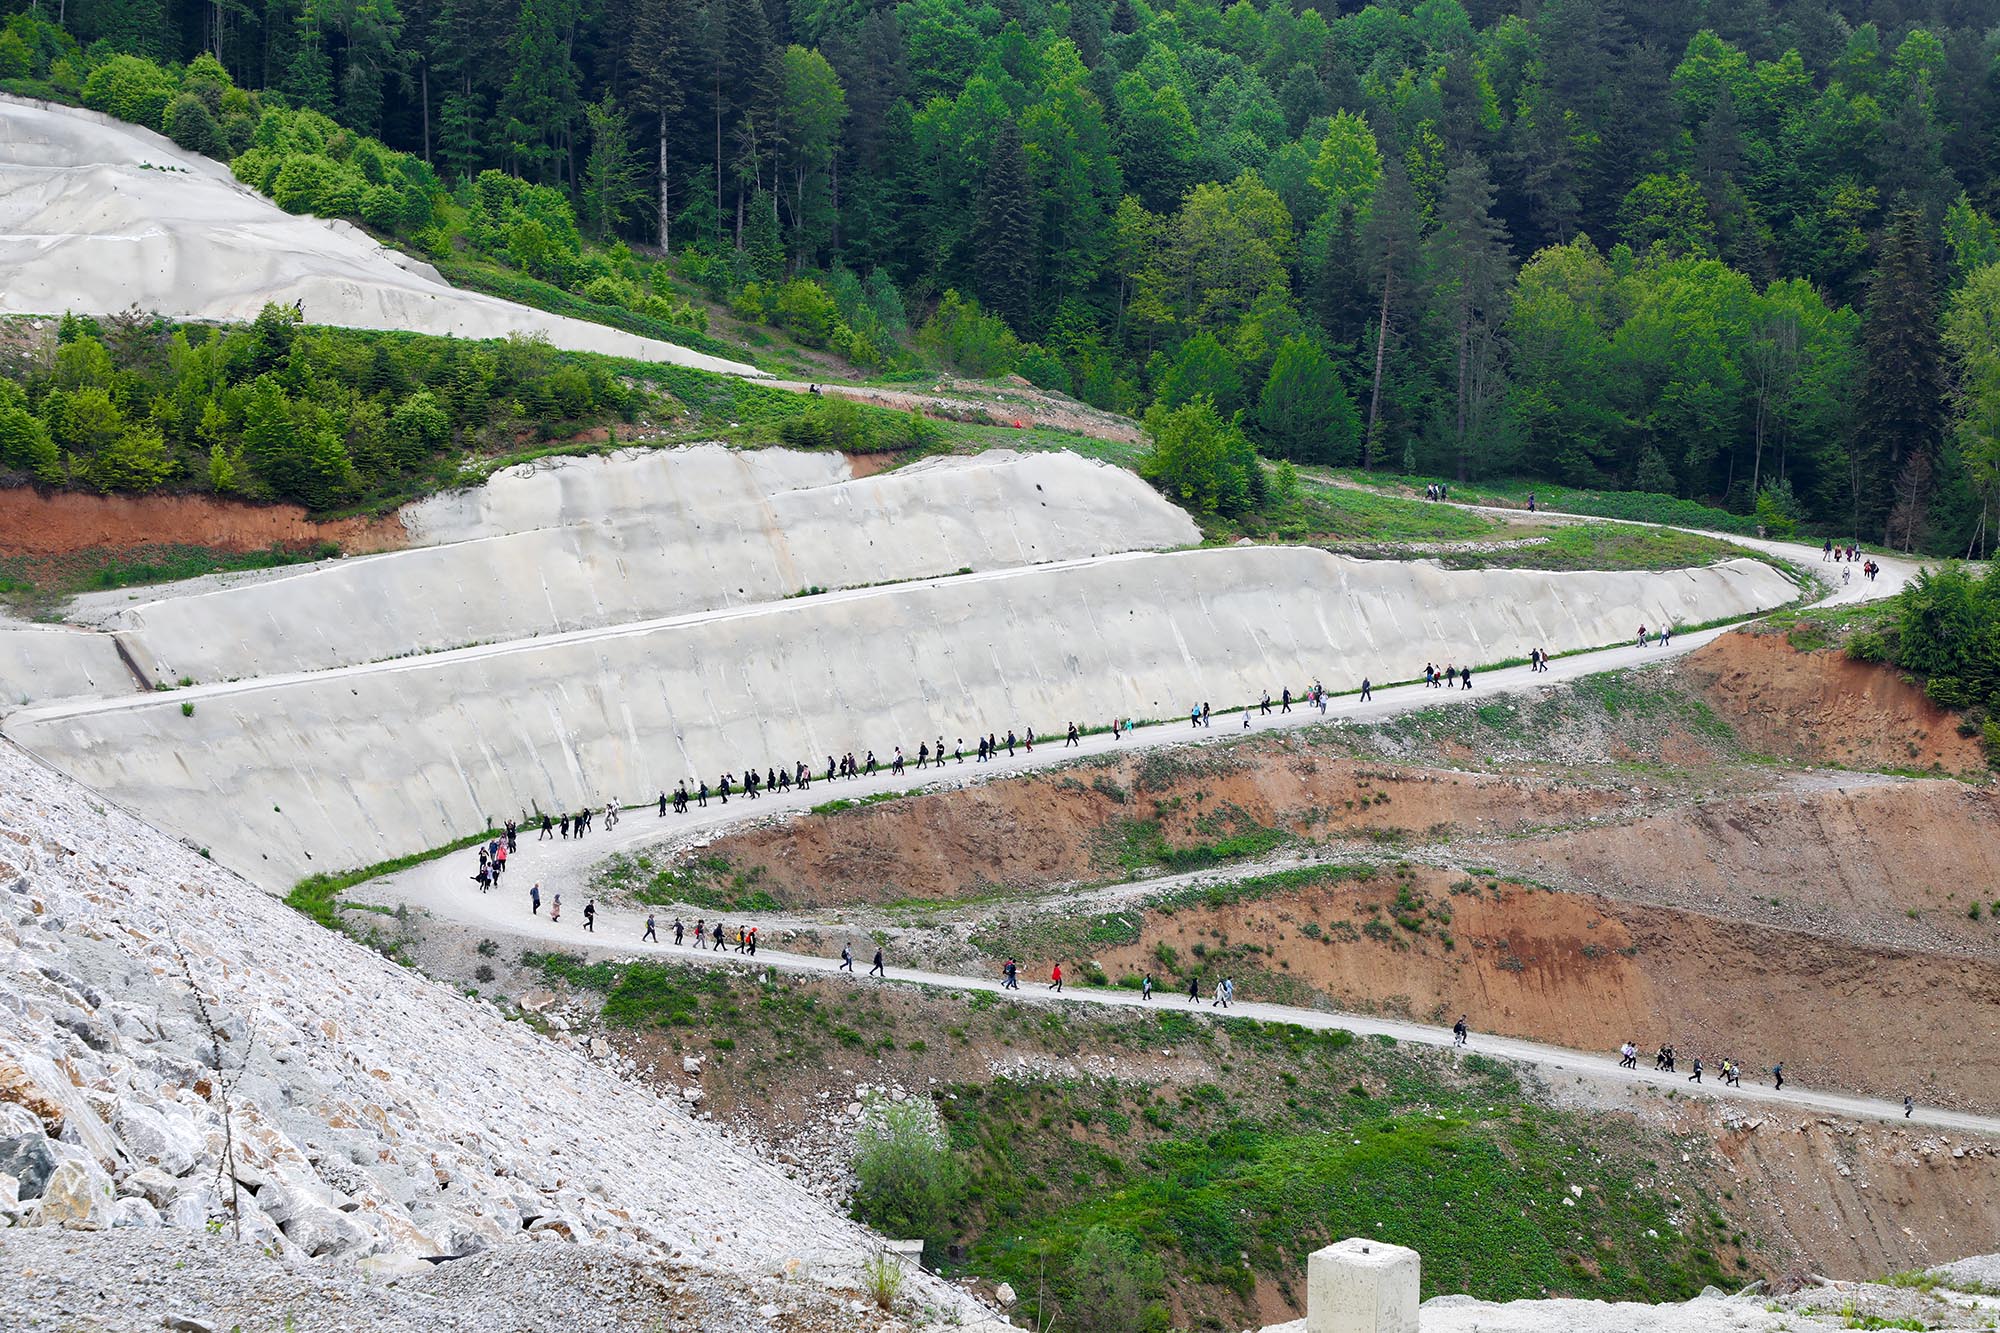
(77, 1195)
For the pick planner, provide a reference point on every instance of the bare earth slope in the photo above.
(97, 215)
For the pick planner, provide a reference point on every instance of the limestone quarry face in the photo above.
(290, 774)
(178, 1050)
(98, 215)
(574, 544)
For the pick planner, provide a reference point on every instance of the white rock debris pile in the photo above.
(359, 1113)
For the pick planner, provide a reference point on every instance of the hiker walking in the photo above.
(1778, 1077)
(1367, 692)
(1465, 678)
(546, 824)
(1146, 987)
(555, 909)
(1459, 1031)
(1695, 1077)
(1055, 978)
(650, 934)
(680, 931)
(1010, 976)
(716, 936)
(1628, 1056)
(590, 915)
(877, 970)
(1908, 1106)
(1194, 989)
(535, 899)
(846, 959)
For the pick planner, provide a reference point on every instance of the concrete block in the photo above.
(910, 1252)
(1362, 1286)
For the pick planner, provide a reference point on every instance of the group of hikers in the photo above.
(570, 825)
(1664, 637)
(1849, 555)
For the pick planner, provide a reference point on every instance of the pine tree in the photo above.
(655, 56)
(538, 107)
(1304, 412)
(1902, 408)
(1468, 272)
(310, 79)
(611, 174)
(762, 245)
(1389, 247)
(1004, 234)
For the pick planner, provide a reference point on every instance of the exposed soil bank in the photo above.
(63, 523)
(1089, 823)
(1824, 708)
(1588, 972)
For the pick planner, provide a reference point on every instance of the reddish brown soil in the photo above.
(1855, 860)
(1860, 1200)
(1823, 708)
(1065, 828)
(35, 524)
(1586, 972)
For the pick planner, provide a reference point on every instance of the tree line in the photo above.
(1715, 251)
(273, 410)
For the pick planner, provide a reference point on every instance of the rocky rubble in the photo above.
(179, 1050)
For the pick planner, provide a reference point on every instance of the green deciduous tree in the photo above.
(1201, 460)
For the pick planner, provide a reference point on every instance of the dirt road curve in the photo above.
(443, 888)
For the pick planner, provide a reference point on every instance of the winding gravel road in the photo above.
(444, 889)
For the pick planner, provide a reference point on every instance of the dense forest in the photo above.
(1738, 252)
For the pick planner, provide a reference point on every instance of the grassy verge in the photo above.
(512, 285)
(32, 582)
(318, 896)
(1612, 546)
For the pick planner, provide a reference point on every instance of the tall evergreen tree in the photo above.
(1902, 406)
(656, 55)
(1468, 270)
(538, 107)
(612, 176)
(1389, 248)
(1304, 412)
(1004, 236)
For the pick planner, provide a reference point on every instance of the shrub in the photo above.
(16, 61)
(972, 340)
(193, 126)
(831, 423)
(136, 461)
(25, 445)
(130, 88)
(1113, 1284)
(310, 183)
(808, 310)
(1201, 460)
(905, 1181)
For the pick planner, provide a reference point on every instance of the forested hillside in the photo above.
(1734, 252)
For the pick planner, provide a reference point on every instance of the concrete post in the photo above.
(1362, 1286)
(910, 1252)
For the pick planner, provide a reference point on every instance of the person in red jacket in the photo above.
(1055, 979)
